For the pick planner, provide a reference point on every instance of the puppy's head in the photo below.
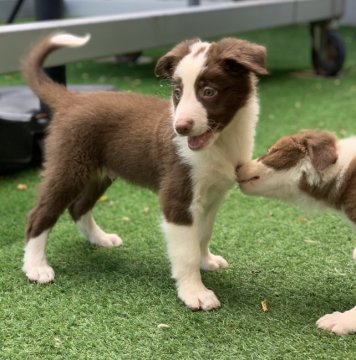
(278, 173)
(210, 83)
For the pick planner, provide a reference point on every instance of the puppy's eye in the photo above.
(177, 93)
(209, 92)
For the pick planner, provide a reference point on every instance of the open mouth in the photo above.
(200, 141)
(254, 178)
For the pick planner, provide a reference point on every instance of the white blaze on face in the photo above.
(188, 71)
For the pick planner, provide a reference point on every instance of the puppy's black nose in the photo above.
(183, 127)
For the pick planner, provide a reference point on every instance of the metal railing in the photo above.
(116, 34)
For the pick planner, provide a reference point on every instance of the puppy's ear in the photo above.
(321, 148)
(237, 53)
(167, 63)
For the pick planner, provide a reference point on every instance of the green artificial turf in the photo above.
(108, 303)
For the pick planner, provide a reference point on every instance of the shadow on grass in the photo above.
(239, 289)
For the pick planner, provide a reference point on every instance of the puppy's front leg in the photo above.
(184, 253)
(340, 323)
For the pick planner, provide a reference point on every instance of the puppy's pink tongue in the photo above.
(198, 142)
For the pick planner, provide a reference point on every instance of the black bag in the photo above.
(22, 128)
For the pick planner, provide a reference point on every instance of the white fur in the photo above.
(189, 107)
(69, 40)
(346, 152)
(35, 264)
(183, 246)
(213, 174)
(213, 169)
(95, 235)
(340, 323)
(205, 222)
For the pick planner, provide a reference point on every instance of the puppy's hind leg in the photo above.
(35, 264)
(54, 198)
(80, 211)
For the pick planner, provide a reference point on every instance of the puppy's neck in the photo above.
(332, 185)
(324, 191)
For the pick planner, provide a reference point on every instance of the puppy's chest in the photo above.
(211, 180)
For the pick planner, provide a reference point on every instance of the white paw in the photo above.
(338, 322)
(198, 298)
(106, 240)
(213, 262)
(40, 273)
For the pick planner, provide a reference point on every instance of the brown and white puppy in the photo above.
(186, 150)
(311, 168)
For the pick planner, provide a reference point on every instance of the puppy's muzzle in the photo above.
(184, 126)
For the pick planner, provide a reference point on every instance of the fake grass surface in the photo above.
(108, 303)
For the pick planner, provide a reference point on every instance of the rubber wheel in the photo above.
(329, 59)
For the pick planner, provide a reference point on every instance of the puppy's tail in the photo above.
(50, 92)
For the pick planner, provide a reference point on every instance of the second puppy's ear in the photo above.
(167, 63)
(321, 148)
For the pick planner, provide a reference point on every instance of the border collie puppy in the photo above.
(310, 168)
(186, 150)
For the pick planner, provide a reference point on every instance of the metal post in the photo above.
(51, 10)
(193, 2)
(14, 12)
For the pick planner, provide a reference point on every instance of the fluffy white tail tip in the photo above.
(63, 39)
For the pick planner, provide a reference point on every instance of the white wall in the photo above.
(349, 17)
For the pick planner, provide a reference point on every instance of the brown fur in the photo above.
(47, 90)
(237, 54)
(320, 146)
(113, 138)
(229, 62)
(285, 154)
(95, 137)
(341, 197)
(327, 192)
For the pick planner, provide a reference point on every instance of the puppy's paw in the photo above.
(198, 298)
(105, 240)
(338, 322)
(39, 273)
(213, 262)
